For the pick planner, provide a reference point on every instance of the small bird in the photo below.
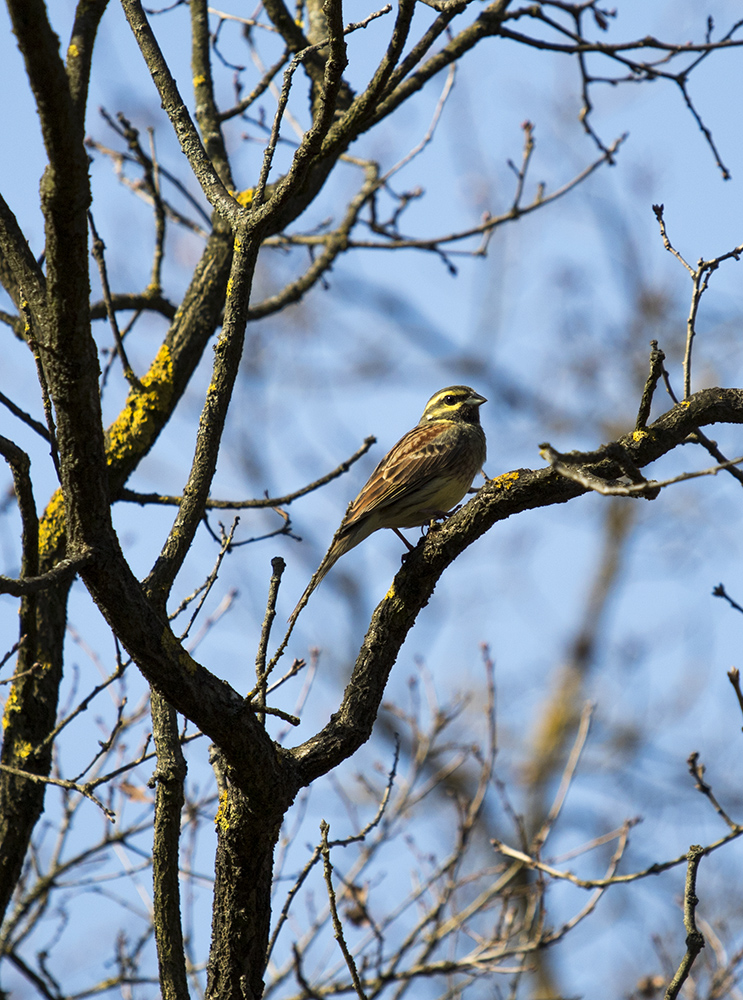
(426, 474)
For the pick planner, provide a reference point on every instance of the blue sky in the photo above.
(546, 326)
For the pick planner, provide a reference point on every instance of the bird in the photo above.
(422, 478)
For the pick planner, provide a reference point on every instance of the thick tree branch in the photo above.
(20, 273)
(499, 499)
(88, 14)
(203, 168)
(207, 114)
(169, 778)
(227, 354)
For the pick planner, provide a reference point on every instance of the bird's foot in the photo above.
(440, 516)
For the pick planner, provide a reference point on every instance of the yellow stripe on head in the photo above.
(456, 402)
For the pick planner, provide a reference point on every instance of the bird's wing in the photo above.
(412, 463)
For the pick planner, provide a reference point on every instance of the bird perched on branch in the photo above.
(426, 474)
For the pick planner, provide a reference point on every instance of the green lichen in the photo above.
(174, 649)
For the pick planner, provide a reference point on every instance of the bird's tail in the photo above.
(329, 560)
(342, 542)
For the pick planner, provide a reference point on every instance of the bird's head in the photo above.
(456, 402)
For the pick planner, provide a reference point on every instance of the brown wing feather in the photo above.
(412, 463)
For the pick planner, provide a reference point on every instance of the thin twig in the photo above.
(615, 488)
(657, 357)
(583, 883)
(61, 783)
(316, 854)
(259, 691)
(734, 678)
(490, 222)
(11, 652)
(40, 429)
(430, 131)
(694, 938)
(567, 777)
(50, 738)
(700, 281)
(224, 548)
(696, 769)
(174, 501)
(41, 375)
(337, 926)
(592, 903)
(98, 252)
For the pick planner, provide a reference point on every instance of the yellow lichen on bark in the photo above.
(174, 648)
(52, 525)
(135, 426)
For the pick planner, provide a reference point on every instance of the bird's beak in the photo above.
(475, 399)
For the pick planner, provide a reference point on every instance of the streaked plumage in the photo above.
(427, 473)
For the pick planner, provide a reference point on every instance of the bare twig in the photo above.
(490, 222)
(62, 783)
(337, 926)
(720, 591)
(657, 357)
(734, 678)
(654, 869)
(430, 131)
(136, 187)
(700, 281)
(11, 652)
(614, 487)
(40, 429)
(65, 569)
(567, 777)
(259, 692)
(696, 769)
(98, 251)
(174, 501)
(317, 853)
(694, 938)
(225, 546)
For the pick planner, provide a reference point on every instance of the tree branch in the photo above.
(499, 499)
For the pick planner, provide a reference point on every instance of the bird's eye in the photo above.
(450, 400)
